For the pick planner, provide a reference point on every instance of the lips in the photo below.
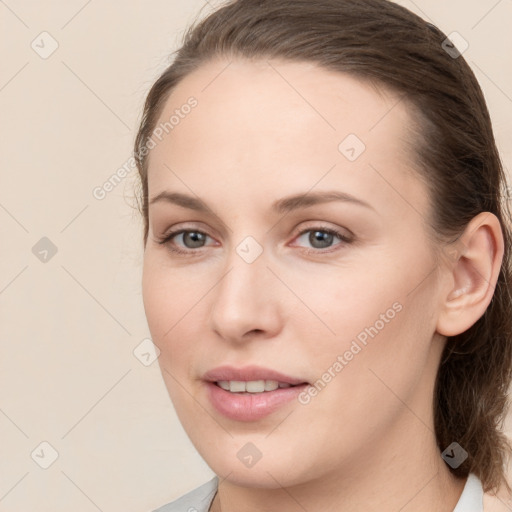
(250, 373)
(238, 405)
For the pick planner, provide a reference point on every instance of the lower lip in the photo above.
(250, 407)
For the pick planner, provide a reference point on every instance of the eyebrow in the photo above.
(284, 205)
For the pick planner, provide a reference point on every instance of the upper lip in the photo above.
(248, 373)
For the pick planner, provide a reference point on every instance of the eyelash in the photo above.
(166, 239)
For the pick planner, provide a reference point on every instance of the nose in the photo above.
(245, 302)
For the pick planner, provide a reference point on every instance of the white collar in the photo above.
(472, 497)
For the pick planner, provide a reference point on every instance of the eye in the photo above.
(192, 238)
(321, 237)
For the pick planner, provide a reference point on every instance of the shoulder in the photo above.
(196, 500)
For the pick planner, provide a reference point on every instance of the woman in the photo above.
(327, 260)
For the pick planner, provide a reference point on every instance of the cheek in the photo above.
(169, 308)
(377, 323)
(380, 354)
(344, 304)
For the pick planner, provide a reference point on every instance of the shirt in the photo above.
(200, 498)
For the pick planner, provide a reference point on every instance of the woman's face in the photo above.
(353, 314)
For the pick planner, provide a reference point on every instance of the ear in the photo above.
(470, 274)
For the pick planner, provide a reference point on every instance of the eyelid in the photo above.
(322, 226)
(188, 226)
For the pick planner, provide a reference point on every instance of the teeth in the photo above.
(252, 386)
(270, 385)
(236, 386)
(224, 384)
(255, 386)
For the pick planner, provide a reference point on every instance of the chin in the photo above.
(274, 473)
(264, 478)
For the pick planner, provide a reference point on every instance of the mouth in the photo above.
(252, 392)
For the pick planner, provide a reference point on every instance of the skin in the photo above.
(263, 130)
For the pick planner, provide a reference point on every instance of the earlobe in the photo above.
(470, 275)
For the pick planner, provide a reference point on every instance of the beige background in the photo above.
(69, 326)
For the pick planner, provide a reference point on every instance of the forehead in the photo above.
(265, 125)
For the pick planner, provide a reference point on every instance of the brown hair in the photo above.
(385, 44)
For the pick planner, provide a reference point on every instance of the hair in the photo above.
(383, 43)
